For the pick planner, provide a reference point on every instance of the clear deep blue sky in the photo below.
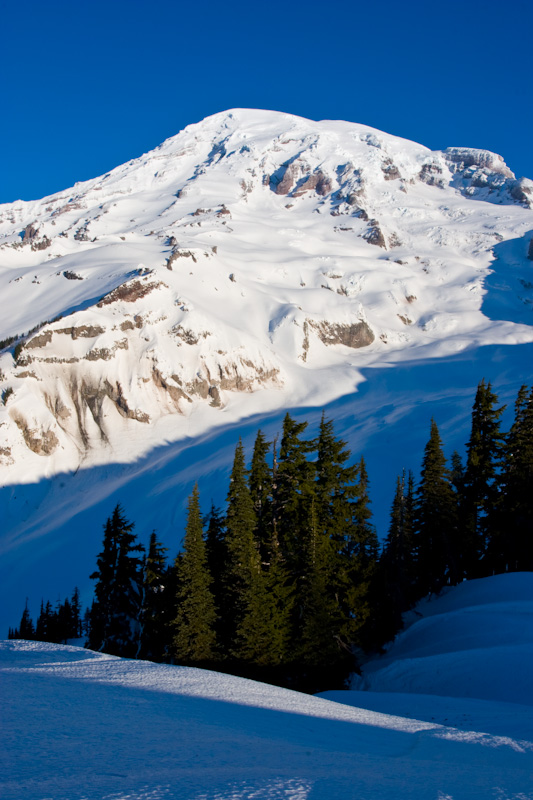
(87, 86)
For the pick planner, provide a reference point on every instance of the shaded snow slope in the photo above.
(475, 640)
(86, 726)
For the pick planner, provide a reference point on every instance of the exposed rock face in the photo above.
(374, 235)
(81, 331)
(39, 341)
(390, 170)
(431, 174)
(129, 292)
(468, 157)
(43, 443)
(355, 335)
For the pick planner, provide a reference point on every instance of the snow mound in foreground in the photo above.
(85, 726)
(475, 640)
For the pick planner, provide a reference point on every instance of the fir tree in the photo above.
(115, 617)
(155, 603)
(436, 521)
(260, 483)
(26, 629)
(294, 491)
(321, 619)
(194, 642)
(511, 544)
(480, 485)
(397, 563)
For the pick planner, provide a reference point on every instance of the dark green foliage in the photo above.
(194, 641)
(116, 612)
(436, 521)
(480, 488)
(295, 476)
(511, 544)
(260, 483)
(155, 604)
(393, 591)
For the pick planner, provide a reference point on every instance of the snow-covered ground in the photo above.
(79, 725)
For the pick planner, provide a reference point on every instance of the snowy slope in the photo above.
(79, 725)
(467, 653)
(254, 262)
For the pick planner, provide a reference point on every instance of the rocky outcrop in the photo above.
(431, 174)
(355, 335)
(129, 292)
(317, 182)
(374, 234)
(82, 331)
(41, 442)
(465, 157)
(390, 170)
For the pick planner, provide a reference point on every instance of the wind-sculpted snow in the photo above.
(86, 726)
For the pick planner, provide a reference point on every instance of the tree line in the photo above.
(289, 582)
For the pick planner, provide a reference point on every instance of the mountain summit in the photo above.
(254, 261)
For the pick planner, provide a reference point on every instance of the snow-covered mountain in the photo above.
(80, 725)
(254, 262)
(254, 253)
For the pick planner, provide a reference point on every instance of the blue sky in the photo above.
(86, 87)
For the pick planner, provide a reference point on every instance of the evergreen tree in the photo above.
(155, 619)
(436, 521)
(294, 491)
(260, 483)
(511, 544)
(26, 629)
(480, 486)
(319, 643)
(358, 563)
(194, 642)
(397, 562)
(115, 617)
(75, 606)
(254, 599)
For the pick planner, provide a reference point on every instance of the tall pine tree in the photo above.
(436, 521)
(194, 641)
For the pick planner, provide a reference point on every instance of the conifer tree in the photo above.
(260, 483)
(511, 544)
(358, 562)
(480, 485)
(242, 550)
(155, 618)
(115, 617)
(436, 521)
(194, 641)
(398, 558)
(255, 598)
(318, 643)
(75, 606)
(295, 476)
(26, 629)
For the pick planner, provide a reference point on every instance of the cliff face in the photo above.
(254, 260)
